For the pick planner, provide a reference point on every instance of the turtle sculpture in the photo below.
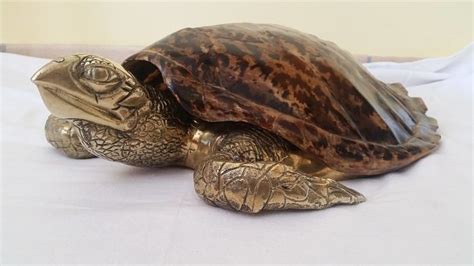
(269, 118)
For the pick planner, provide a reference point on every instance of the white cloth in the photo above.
(58, 210)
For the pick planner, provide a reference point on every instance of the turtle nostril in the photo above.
(59, 59)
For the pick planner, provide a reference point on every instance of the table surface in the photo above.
(58, 210)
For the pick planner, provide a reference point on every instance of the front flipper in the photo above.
(60, 134)
(256, 186)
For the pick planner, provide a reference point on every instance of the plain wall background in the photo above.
(420, 29)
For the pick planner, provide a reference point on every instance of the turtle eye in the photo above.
(99, 74)
(100, 79)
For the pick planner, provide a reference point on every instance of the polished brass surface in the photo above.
(92, 88)
(199, 145)
(237, 166)
(255, 186)
(248, 169)
(62, 135)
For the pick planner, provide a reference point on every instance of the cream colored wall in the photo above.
(420, 29)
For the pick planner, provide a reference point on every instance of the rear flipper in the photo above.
(256, 186)
(426, 126)
(60, 134)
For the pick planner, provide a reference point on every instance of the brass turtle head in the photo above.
(92, 88)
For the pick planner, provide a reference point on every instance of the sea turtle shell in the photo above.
(302, 88)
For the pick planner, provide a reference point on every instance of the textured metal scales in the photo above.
(246, 171)
(302, 88)
(61, 135)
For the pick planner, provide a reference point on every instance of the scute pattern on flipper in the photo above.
(302, 88)
(258, 186)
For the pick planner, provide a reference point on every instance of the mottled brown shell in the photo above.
(298, 86)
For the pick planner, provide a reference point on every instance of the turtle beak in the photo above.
(47, 72)
(66, 97)
(53, 81)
